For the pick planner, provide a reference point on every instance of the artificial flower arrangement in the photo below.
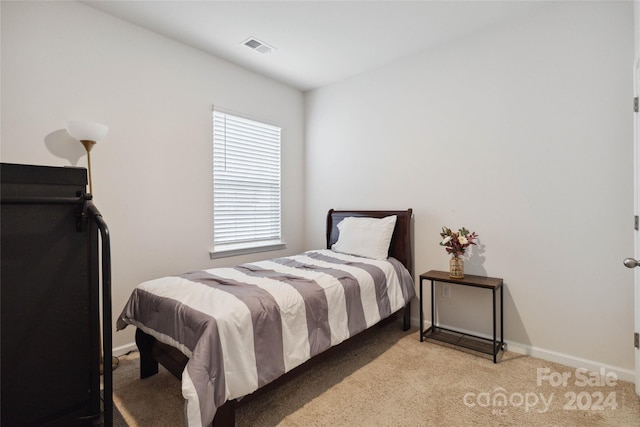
(456, 242)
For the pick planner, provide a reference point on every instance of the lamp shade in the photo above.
(87, 131)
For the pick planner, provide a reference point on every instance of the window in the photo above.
(246, 185)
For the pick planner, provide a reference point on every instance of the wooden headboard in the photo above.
(401, 247)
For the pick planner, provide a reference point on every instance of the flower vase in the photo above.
(456, 268)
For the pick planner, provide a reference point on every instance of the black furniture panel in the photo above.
(49, 299)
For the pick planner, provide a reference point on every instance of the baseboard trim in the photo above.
(541, 353)
(552, 356)
(571, 361)
(124, 349)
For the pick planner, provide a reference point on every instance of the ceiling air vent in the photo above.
(257, 45)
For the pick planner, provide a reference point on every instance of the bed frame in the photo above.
(153, 352)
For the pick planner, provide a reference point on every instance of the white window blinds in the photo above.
(246, 183)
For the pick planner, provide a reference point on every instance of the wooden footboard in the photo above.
(153, 352)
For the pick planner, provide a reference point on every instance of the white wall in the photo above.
(522, 133)
(636, 27)
(152, 173)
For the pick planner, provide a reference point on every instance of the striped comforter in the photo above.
(243, 327)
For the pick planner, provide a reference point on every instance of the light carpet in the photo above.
(392, 379)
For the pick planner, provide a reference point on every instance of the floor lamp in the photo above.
(89, 134)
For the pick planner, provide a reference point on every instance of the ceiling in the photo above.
(316, 42)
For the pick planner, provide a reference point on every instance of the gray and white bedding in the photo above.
(245, 326)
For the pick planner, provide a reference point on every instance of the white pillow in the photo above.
(366, 237)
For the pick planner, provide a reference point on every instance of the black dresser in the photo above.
(49, 299)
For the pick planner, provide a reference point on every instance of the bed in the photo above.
(230, 333)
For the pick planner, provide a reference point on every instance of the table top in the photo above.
(468, 279)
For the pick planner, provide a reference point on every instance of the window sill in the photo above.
(234, 251)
